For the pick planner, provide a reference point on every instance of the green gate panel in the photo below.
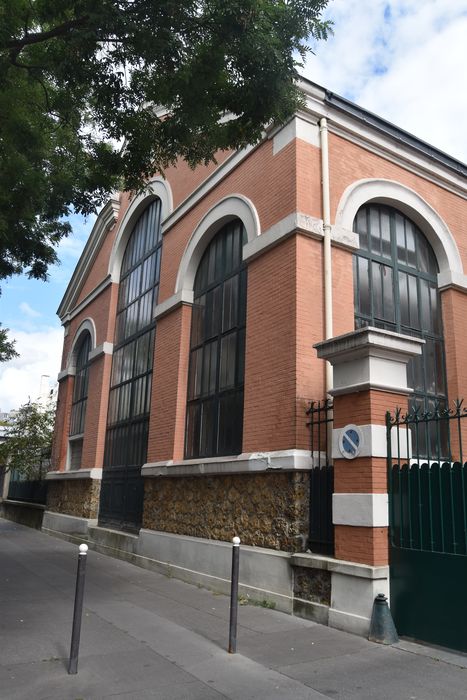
(429, 596)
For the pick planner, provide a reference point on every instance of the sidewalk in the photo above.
(148, 636)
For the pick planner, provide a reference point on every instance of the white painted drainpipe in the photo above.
(327, 261)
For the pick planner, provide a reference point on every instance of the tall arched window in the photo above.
(130, 385)
(395, 284)
(217, 348)
(79, 401)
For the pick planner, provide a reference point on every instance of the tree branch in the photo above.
(38, 37)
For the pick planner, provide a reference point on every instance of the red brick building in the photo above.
(188, 359)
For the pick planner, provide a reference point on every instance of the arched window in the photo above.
(79, 401)
(130, 385)
(395, 284)
(214, 424)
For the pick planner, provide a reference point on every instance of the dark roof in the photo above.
(404, 137)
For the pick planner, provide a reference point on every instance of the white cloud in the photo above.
(403, 60)
(40, 354)
(28, 310)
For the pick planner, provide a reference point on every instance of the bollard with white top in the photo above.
(234, 595)
(78, 609)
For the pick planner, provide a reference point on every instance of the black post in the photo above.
(78, 609)
(234, 595)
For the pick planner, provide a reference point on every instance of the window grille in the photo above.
(80, 387)
(395, 285)
(214, 423)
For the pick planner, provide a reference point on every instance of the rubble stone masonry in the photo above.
(264, 510)
(78, 497)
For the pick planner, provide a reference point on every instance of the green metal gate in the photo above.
(427, 485)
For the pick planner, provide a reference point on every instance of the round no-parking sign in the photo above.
(350, 441)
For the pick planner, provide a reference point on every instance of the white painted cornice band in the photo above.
(297, 222)
(105, 221)
(297, 128)
(371, 384)
(369, 341)
(102, 349)
(75, 474)
(248, 462)
(357, 130)
(67, 372)
(98, 289)
(449, 279)
(183, 296)
(360, 509)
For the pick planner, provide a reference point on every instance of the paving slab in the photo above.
(145, 635)
(381, 673)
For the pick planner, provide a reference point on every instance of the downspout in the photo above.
(327, 261)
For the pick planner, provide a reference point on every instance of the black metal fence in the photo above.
(321, 529)
(30, 491)
(427, 479)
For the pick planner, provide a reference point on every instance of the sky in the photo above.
(401, 59)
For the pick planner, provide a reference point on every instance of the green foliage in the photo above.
(28, 439)
(80, 77)
(7, 347)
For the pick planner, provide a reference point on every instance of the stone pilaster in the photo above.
(370, 378)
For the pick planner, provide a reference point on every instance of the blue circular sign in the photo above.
(350, 441)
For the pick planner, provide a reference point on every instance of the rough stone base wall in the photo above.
(312, 584)
(29, 514)
(265, 510)
(79, 497)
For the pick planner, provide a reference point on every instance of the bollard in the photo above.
(234, 595)
(382, 629)
(78, 609)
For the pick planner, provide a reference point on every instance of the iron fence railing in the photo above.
(427, 479)
(321, 530)
(30, 491)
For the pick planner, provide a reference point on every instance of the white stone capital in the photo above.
(370, 358)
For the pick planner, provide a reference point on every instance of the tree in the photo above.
(80, 77)
(7, 347)
(28, 439)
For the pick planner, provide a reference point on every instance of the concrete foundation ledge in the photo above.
(354, 588)
(310, 610)
(113, 539)
(59, 523)
(265, 574)
(345, 621)
(339, 566)
(245, 463)
(22, 512)
(75, 474)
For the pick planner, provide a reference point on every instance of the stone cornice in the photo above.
(105, 221)
(93, 294)
(384, 139)
(75, 474)
(248, 462)
(370, 359)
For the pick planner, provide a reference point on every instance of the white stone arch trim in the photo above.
(235, 206)
(86, 325)
(412, 205)
(158, 188)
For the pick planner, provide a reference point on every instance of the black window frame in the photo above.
(132, 363)
(419, 269)
(80, 387)
(217, 348)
